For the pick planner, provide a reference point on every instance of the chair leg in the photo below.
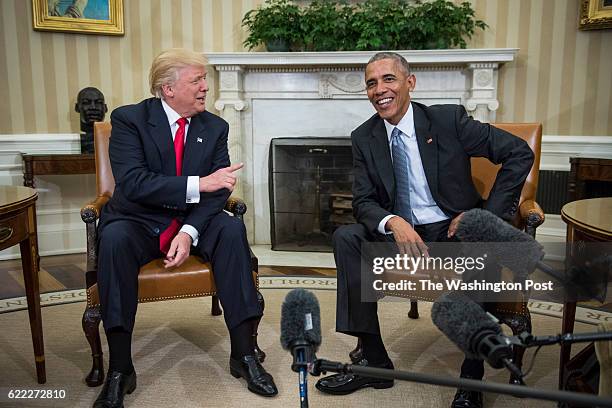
(518, 323)
(91, 323)
(414, 310)
(357, 353)
(215, 309)
(259, 353)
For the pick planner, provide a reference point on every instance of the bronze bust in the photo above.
(90, 104)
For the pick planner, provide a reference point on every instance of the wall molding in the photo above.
(41, 143)
(62, 232)
(556, 150)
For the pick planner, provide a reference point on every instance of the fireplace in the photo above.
(267, 95)
(310, 183)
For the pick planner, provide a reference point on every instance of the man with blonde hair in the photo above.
(173, 176)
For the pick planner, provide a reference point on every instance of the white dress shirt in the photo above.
(192, 195)
(424, 208)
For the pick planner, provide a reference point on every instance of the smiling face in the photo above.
(187, 95)
(388, 86)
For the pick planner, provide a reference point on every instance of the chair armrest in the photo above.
(236, 206)
(91, 211)
(532, 215)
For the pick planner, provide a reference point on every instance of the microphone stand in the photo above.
(303, 386)
(527, 340)
(320, 366)
(302, 355)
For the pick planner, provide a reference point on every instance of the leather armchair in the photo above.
(192, 279)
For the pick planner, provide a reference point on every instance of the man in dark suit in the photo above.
(172, 178)
(412, 182)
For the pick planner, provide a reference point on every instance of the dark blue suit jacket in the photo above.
(147, 189)
(455, 137)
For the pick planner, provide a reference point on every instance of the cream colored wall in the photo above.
(44, 71)
(562, 76)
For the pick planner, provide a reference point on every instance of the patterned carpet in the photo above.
(181, 357)
(62, 279)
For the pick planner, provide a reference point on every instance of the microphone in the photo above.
(585, 282)
(477, 334)
(482, 226)
(301, 334)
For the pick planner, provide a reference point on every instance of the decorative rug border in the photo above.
(583, 315)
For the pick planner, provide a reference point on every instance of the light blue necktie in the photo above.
(402, 176)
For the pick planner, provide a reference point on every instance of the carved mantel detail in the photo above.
(331, 84)
(482, 102)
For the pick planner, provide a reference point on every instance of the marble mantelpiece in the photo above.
(266, 95)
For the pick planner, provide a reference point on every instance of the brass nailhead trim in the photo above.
(154, 299)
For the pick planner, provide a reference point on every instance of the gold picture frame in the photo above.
(595, 14)
(79, 16)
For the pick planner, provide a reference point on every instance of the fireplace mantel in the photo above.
(359, 58)
(264, 95)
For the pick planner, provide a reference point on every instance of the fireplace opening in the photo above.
(310, 183)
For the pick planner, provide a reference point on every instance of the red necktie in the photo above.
(165, 238)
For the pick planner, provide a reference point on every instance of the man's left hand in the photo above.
(179, 250)
(452, 228)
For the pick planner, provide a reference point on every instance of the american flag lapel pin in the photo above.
(199, 140)
(429, 140)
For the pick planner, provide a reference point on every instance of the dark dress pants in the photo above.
(354, 316)
(125, 246)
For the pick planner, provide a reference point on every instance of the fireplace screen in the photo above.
(310, 183)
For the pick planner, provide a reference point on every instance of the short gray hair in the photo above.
(391, 55)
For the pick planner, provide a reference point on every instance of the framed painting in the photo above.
(595, 14)
(79, 16)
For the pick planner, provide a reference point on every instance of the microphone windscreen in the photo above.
(478, 225)
(520, 255)
(462, 321)
(300, 319)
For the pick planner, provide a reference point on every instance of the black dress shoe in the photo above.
(342, 384)
(258, 379)
(467, 399)
(116, 386)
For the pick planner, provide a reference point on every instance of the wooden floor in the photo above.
(64, 272)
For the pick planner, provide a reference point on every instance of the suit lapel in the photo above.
(428, 148)
(195, 144)
(379, 145)
(162, 137)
